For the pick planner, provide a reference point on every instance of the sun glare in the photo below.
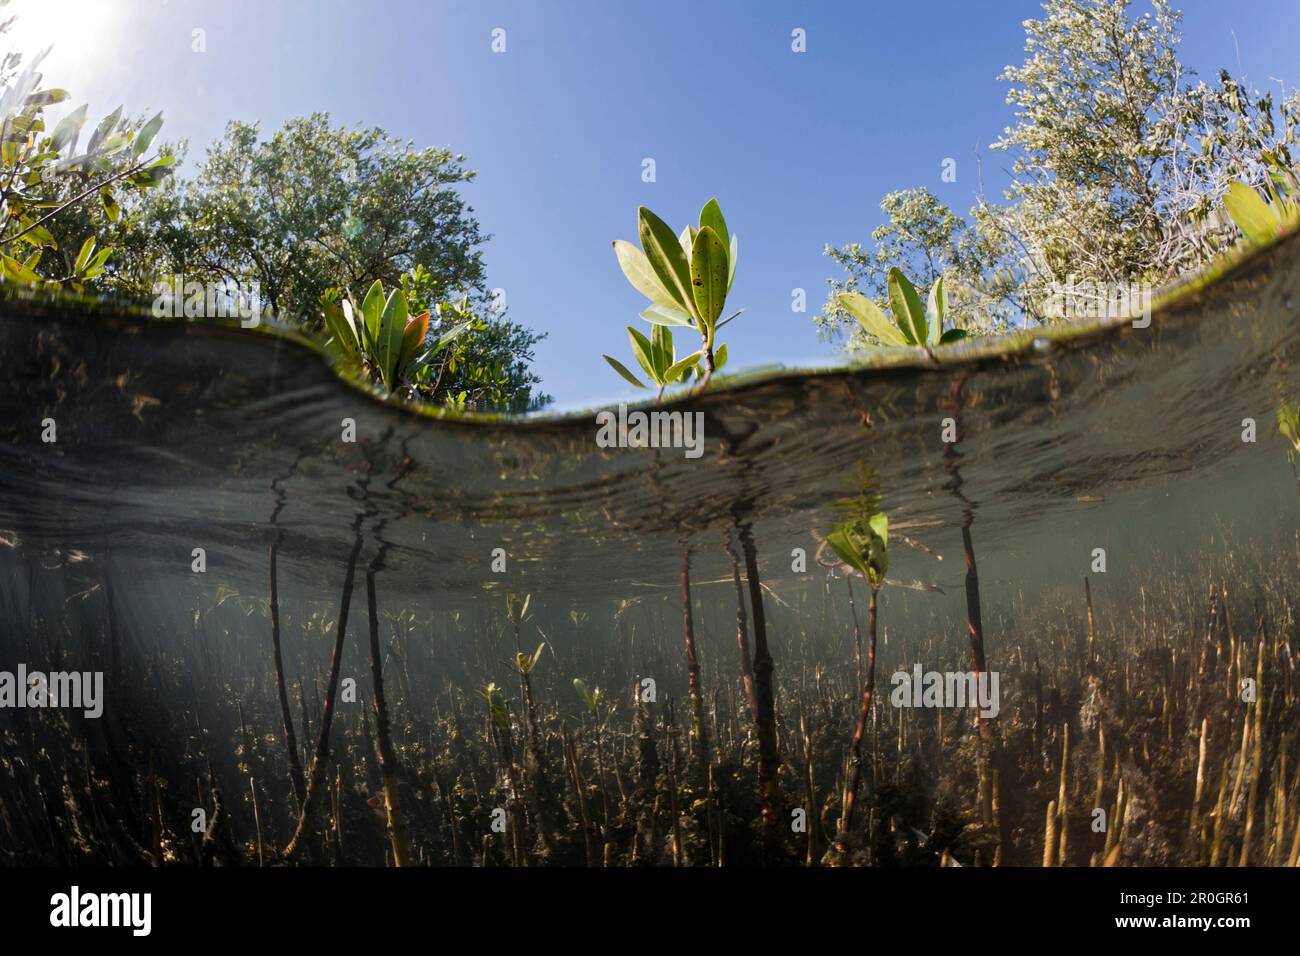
(80, 34)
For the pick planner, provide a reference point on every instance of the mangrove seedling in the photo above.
(499, 714)
(526, 664)
(862, 542)
(601, 710)
(381, 339)
(597, 702)
(686, 278)
(1288, 423)
(548, 811)
(658, 359)
(1259, 221)
(909, 323)
(591, 698)
(496, 704)
(517, 609)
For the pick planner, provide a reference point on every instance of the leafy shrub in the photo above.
(909, 323)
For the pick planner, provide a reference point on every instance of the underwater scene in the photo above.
(648, 475)
(1032, 603)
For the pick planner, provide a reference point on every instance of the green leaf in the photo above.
(68, 129)
(731, 261)
(878, 548)
(516, 610)
(45, 97)
(111, 208)
(719, 358)
(113, 144)
(39, 160)
(674, 372)
(145, 137)
(872, 318)
(340, 328)
(661, 340)
(709, 275)
(668, 315)
(666, 258)
(622, 370)
(906, 304)
(643, 351)
(355, 320)
(97, 260)
(103, 129)
(1253, 216)
(952, 335)
(934, 311)
(87, 248)
(711, 216)
(392, 329)
(687, 239)
(843, 545)
(149, 177)
(15, 271)
(38, 236)
(449, 336)
(580, 686)
(637, 268)
(372, 307)
(412, 341)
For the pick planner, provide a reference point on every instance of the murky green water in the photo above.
(173, 437)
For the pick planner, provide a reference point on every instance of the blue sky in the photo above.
(798, 148)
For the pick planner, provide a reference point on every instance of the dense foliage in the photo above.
(308, 216)
(312, 207)
(48, 174)
(1120, 165)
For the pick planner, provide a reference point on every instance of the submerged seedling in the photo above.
(1288, 423)
(595, 700)
(861, 539)
(525, 664)
(496, 705)
(517, 608)
(591, 697)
